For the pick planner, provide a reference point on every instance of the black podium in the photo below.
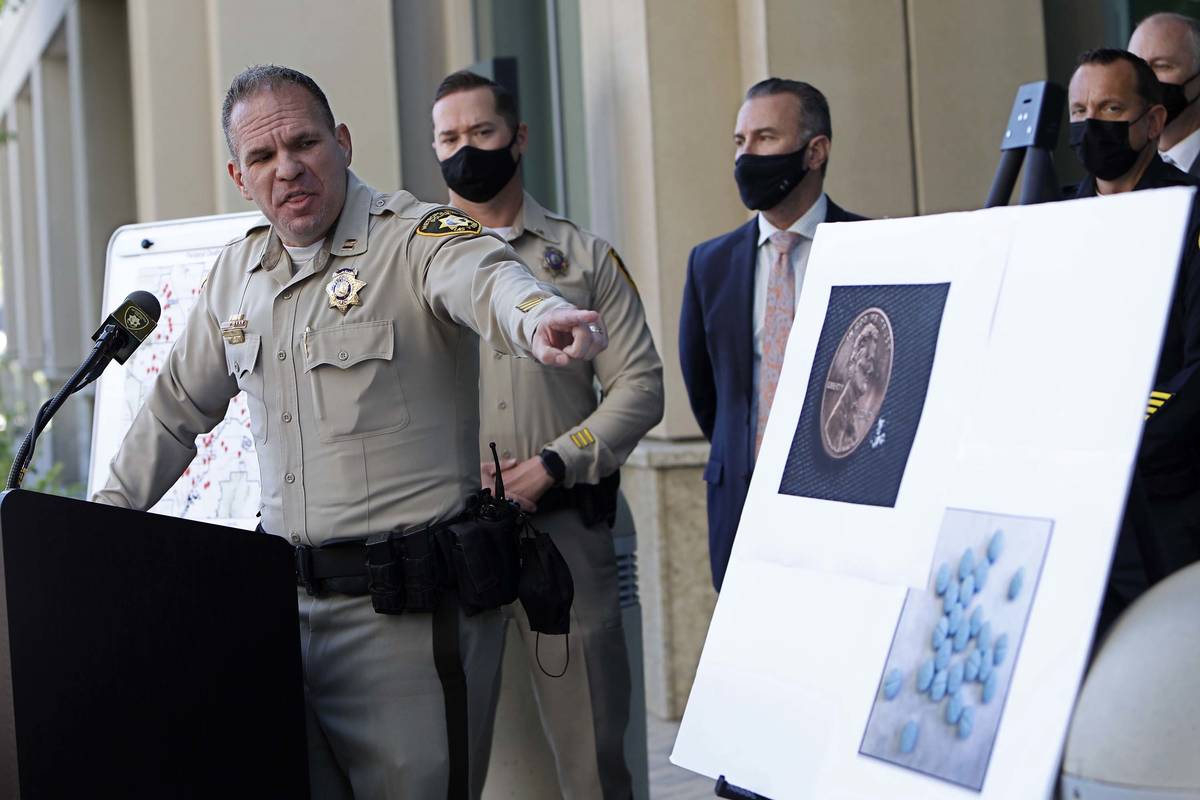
(144, 656)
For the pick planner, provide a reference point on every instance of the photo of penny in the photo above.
(857, 383)
(866, 393)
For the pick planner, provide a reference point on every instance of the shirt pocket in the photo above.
(241, 359)
(355, 381)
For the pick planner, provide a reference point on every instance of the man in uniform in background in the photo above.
(1117, 119)
(349, 316)
(1170, 44)
(561, 449)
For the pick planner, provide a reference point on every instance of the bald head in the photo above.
(1170, 44)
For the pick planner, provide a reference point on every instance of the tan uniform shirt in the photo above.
(525, 406)
(363, 421)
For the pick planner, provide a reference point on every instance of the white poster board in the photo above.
(222, 484)
(1031, 412)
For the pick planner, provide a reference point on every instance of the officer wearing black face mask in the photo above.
(741, 290)
(1170, 44)
(1117, 117)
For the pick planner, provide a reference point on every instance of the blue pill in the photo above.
(937, 689)
(989, 687)
(943, 656)
(1000, 649)
(966, 564)
(954, 708)
(983, 639)
(981, 574)
(995, 546)
(908, 737)
(950, 597)
(966, 722)
(1014, 586)
(954, 677)
(985, 665)
(976, 620)
(962, 639)
(953, 620)
(943, 579)
(925, 676)
(967, 589)
(891, 683)
(971, 670)
(940, 632)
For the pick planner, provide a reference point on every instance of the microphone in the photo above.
(128, 326)
(116, 338)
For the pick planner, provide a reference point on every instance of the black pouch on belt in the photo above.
(385, 575)
(546, 588)
(482, 552)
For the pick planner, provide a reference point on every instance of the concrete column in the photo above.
(102, 148)
(174, 120)
(26, 312)
(348, 51)
(8, 262)
(58, 269)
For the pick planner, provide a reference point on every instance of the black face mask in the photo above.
(1102, 146)
(763, 181)
(479, 175)
(1175, 98)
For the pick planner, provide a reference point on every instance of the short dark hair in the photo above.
(814, 108)
(261, 77)
(1148, 87)
(464, 80)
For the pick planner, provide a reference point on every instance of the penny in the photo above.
(856, 383)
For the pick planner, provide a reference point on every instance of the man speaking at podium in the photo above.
(349, 317)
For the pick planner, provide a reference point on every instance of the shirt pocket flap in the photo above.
(346, 345)
(712, 472)
(240, 358)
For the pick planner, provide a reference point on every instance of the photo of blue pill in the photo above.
(966, 589)
(985, 665)
(937, 689)
(943, 656)
(892, 683)
(1014, 586)
(925, 676)
(908, 737)
(971, 667)
(989, 687)
(983, 639)
(966, 722)
(943, 579)
(962, 638)
(995, 546)
(950, 597)
(954, 708)
(953, 620)
(966, 565)
(981, 573)
(940, 631)
(1000, 649)
(954, 677)
(976, 620)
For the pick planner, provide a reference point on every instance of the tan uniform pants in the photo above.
(399, 706)
(585, 712)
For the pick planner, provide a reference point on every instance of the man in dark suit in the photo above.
(1170, 44)
(740, 296)
(1117, 120)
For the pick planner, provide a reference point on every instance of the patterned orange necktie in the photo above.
(781, 310)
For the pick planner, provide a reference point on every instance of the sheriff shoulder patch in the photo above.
(443, 222)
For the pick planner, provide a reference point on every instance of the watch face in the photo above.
(866, 393)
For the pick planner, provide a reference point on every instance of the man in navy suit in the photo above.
(740, 296)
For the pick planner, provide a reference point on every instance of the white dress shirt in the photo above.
(1184, 153)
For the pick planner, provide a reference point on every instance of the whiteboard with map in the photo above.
(169, 260)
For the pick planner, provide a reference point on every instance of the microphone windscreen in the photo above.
(146, 302)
